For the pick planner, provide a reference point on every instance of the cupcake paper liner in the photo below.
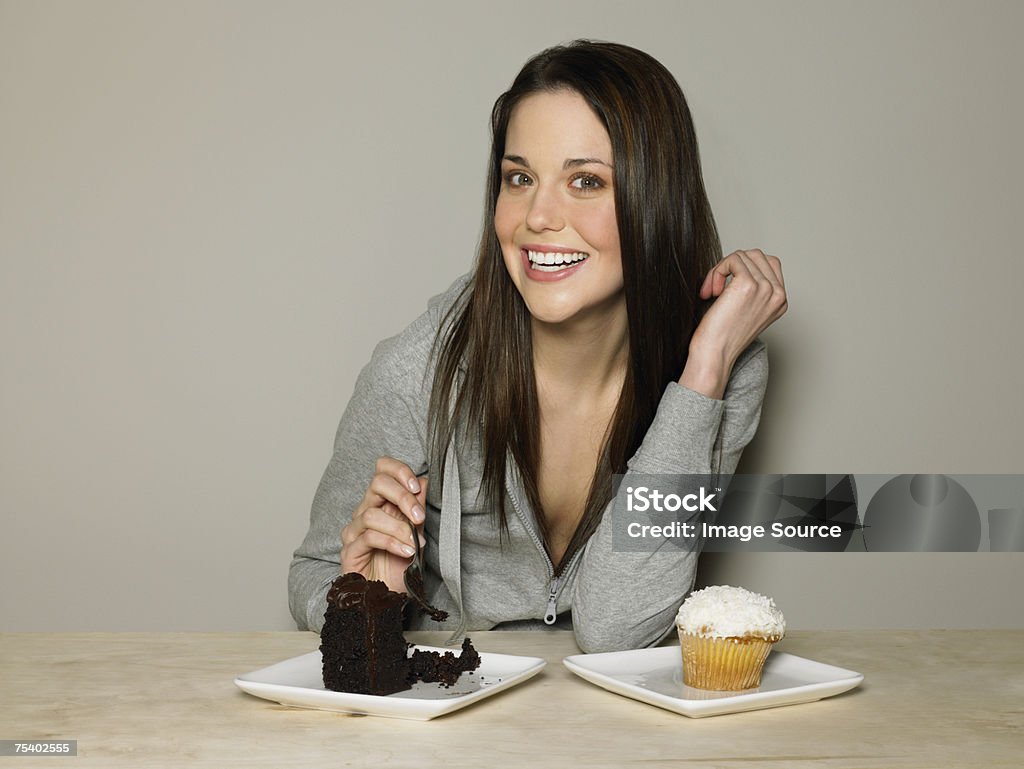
(723, 664)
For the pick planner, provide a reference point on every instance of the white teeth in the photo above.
(554, 261)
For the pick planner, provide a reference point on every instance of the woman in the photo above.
(581, 346)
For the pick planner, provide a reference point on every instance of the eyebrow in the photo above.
(570, 163)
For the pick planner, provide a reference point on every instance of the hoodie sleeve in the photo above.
(386, 416)
(627, 600)
(377, 422)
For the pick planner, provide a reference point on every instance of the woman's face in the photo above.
(555, 215)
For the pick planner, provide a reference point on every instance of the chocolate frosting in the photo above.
(352, 589)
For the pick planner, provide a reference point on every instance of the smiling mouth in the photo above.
(554, 261)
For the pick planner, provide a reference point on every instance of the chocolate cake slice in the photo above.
(364, 650)
(362, 644)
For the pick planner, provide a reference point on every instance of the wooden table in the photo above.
(929, 699)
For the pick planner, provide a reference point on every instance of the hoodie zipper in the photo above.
(555, 581)
(551, 615)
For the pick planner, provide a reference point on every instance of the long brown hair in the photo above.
(484, 386)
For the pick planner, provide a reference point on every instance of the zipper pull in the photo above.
(551, 615)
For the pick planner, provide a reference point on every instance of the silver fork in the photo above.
(414, 580)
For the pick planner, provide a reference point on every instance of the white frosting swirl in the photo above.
(722, 612)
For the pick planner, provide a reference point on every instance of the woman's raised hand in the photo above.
(378, 542)
(750, 295)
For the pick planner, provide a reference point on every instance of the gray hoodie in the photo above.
(611, 600)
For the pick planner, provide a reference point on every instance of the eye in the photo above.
(517, 179)
(586, 182)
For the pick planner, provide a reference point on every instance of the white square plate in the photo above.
(655, 676)
(299, 682)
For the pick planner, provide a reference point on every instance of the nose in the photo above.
(545, 212)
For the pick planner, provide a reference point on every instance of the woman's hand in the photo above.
(744, 306)
(378, 542)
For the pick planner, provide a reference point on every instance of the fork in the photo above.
(414, 580)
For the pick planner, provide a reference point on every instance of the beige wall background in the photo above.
(210, 212)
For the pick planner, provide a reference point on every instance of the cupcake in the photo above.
(726, 634)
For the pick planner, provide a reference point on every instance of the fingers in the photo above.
(766, 272)
(767, 265)
(394, 482)
(717, 279)
(733, 265)
(374, 534)
(379, 528)
(773, 285)
(385, 488)
(405, 528)
(400, 471)
(388, 515)
(753, 272)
